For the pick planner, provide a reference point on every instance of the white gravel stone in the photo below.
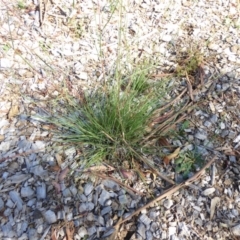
(172, 231)
(213, 46)
(166, 38)
(82, 232)
(208, 191)
(168, 203)
(5, 63)
(236, 230)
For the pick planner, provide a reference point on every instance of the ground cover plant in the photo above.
(110, 123)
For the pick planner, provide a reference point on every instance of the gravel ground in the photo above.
(43, 43)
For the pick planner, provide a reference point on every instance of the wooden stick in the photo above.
(172, 190)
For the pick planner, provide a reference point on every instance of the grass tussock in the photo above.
(108, 124)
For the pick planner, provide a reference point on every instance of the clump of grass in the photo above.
(112, 121)
(189, 62)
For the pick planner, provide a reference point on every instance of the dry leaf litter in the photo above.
(42, 42)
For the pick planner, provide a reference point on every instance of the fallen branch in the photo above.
(170, 191)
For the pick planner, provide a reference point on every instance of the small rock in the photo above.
(111, 185)
(123, 199)
(207, 124)
(214, 118)
(106, 210)
(168, 203)
(16, 199)
(234, 48)
(236, 230)
(5, 63)
(91, 230)
(83, 75)
(201, 135)
(82, 231)
(50, 217)
(222, 125)
(166, 38)
(237, 139)
(86, 207)
(105, 195)
(149, 235)
(141, 230)
(26, 192)
(208, 191)
(1, 137)
(172, 230)
(213, 46)
(145, 220)
(232, 159)
(5, 146)
(1, 204)
(41, 191)
(9, 203)
(88, 188)
(108, 232)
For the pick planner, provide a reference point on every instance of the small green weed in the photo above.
(189, 63)
(188, 161)
(21, 5)
(6, 47)
(183, 126)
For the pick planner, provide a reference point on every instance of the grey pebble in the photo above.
(111, 185)
(207, 124)
(108, 232)
(149, 235)
(145, 220)
(232, 159)
(82, 232)
(168, 203)
(66, 192)
(41, 191)
(16, 199)
(50, 217)
(208, 191)
(88, 188)
(10, 203)
(31, 202)
(141, 229)
(201, 135)
(1, 204)
(106, 210)
(26, 192)
(84, 207)
(214, 118)
(236, 230)
(104, 196)
(91, 230)
(123, 199)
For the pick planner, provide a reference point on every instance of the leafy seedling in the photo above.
(187, 162)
